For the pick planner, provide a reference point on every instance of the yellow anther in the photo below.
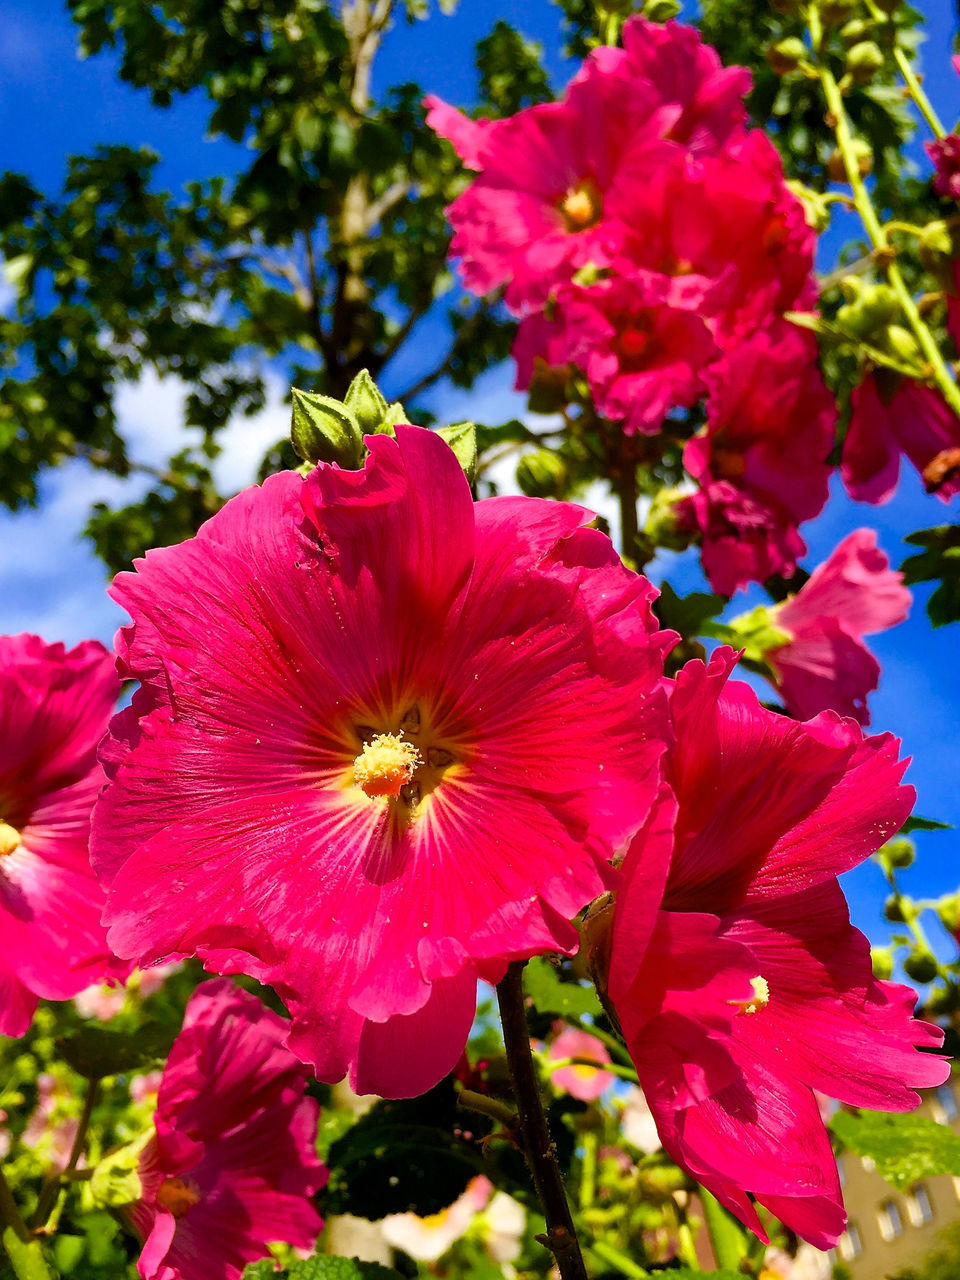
(385, 765)
(9, 839)
(581, 206)
(759, 1000)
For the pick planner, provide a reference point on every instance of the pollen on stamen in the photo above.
(9, 839)
(385, 765)
(759, 1000)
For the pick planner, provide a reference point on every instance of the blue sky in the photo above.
(53, 104)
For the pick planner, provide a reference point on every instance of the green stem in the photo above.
(686, 1248)
(23, 1251)
(910, 78)
(626, 1266)
(588, 1170)
(726, 1238)
(540, 1151)
(938, 368)
(51, 1188)
(612, 1068)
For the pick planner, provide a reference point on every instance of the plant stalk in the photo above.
(540, 1151)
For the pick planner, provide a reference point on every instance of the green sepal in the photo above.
(462, 439)
(366, 403)
(115, 1180)
(756, 633)
(325, 430)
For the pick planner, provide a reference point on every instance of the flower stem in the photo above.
(607, 1253)
(627, 495)
(24, 1253)
(561, 1237)
(878, 238)
(51, 1188)
(910, 78)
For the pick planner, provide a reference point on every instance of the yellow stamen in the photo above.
(385, 765)
(760, 999)
(581, 206)
(178, 1196)
(9, 839)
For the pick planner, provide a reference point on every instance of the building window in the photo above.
(918, 1206)
(945, 1105)
(956, 1187)
(868, 1164)
(888, 1217)
(850, 1246)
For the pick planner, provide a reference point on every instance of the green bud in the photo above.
(757, 633)
(870, 309)
(863, 155)
(921, 966)
(325, 430)
(462, 439)
(786, 55)
(882, 958)
(116, 1180)
(864, 60)
(365, 402)
(542, 474)
(935, 245)
(897, 910)
(899, 854)
(948, 909)
(661, 10)
(853, 32)
(901, 343)
(816, 210)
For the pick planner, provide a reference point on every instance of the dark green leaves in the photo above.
(904, 1148)
(321, 1267)
(939, 560)
(95, 1052)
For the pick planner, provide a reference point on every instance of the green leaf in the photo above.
(916, 823)
(325, 430)
(686, 614)
(116, 1178)
(938, 560)
(756, 633)
(904, 1148)
(95, 1052)
(462, 439)
(550, 994)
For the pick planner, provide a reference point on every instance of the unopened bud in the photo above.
(548, 391)
(921, 966)
(897, 909)
(882, 958)
(935, 245)
(462, 439)
(786, 55)
(661, 10)
(864, 60)
(948, 909)
(853, 32)
(366, 403)
(542, 474)
(901, 343)
(900, 853)
(870, 308)
(863, 155)
(325, 430)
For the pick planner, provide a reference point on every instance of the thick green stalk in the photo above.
(612, 1256)
(868, 216)
(910, 78)
(25, 1254)
(726, 1236)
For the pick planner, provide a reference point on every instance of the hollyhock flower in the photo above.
(231, 1165)
(428, 1239)
(727, 233)
(642, 357)
(750, 989)
(536, 212)
(825, 664)
(100, 1001)
(761, 463)
(580, 1080)
(348, 771)
(890, 415)
(54, 708)
(945, 154)
(808, 1264)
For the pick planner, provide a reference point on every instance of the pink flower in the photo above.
(825, 665)
(536, 212)
(890, 415)
(750, 989)
(642, 357)
(580, 1081)
(351, 769)
(54, 709)
(945, 154)
(762, 461)
(231, 1166)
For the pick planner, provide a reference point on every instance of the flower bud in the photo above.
(882, 958)
(661, 525)
(462, 439)
(921, 966)
(863, 154)
(853, 32)
(542, 474)
(786, 55)
(948, 909)
(661, 10)
(897, 909)
(325, 430)
(900, 853)
(864, 60)
(935, 245)
(366, 403)
(870, 308)
(901, 343)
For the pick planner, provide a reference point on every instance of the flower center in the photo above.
(385, 765)
(759, 1000)
(9, 839)
(178, 1196)
(581, 206)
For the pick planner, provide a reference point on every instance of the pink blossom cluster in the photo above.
(646, 237)
(388, 740)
